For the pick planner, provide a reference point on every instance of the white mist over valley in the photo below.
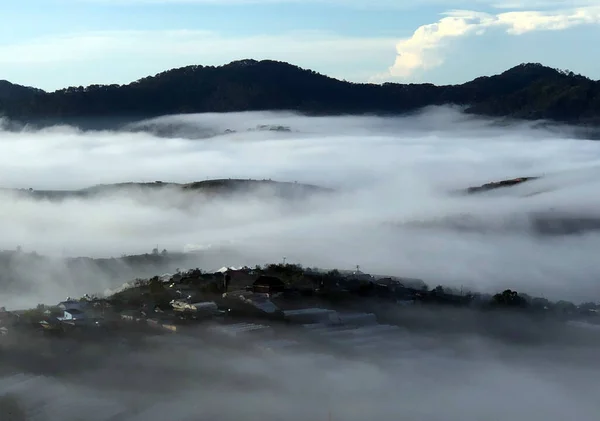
(388, 174)
(385, 193)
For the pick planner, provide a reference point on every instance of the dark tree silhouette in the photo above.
(438, 290)
(527, 91)
(509, 298)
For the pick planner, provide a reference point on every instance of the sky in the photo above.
(53, 44)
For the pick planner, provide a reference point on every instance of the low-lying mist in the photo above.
(394, 180)
(396, 206)
(418, 377)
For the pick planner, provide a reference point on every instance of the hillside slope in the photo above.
(12, 92)
(529, 91)
(215, 187)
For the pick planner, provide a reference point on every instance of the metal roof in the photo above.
(308, 311)
(239, 328)
(259, 301)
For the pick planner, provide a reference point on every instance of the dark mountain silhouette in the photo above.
(11, 92)
(527, 91)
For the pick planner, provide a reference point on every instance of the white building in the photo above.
(72, 315)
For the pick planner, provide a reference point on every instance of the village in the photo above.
(283, 305)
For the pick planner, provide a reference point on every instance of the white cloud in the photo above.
(104, 56)
(443, 364)
(424, 49)
(391, 169)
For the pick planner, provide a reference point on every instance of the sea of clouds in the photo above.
(426, 377)
(390, 174)
(395, 179)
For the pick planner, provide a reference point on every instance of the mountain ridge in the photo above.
(215, 187)
(528, 91)
(12, 92)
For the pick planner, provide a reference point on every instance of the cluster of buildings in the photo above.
(239, 294)
(261, 314)
(234, 302)
(261, 310)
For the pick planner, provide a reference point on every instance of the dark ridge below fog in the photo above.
(219, 187)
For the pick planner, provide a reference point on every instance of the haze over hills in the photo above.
(527, 91)
(310, 232)
(217, 187)
(448, 203)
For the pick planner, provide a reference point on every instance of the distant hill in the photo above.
(220, 187)
(11, 92)
(527, 91)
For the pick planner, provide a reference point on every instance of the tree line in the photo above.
(527, 91)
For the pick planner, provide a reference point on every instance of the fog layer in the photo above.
(392, 176)
(412, 376)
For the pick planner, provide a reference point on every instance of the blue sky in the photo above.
(57, 43)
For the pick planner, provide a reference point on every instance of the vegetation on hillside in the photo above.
(529, 91)
(281, 189)
(335, 286)
(12, 92)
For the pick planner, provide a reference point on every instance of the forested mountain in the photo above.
(10, 91)
(529, 91)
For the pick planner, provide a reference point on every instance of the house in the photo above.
(76, 317)
(241, 329)
(207, 307)
(242, 301)
(395, 289)
(234, 278)
(72, 315)
(51, 325)
(358, 275)
(261, 302)
(70, 304)
(204, 308)
(268, 285)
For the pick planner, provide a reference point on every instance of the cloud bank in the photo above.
(421, 376)
(385, 170)
(424, 50)
(391, 176)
